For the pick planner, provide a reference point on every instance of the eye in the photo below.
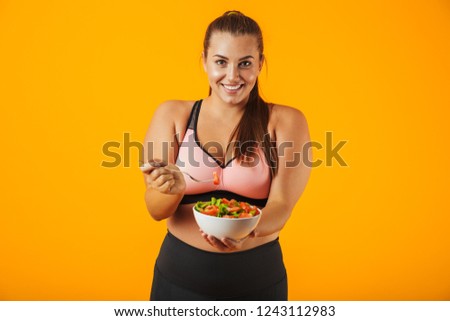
(246, 64)
(221, 62)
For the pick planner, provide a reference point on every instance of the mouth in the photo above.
(232, 88)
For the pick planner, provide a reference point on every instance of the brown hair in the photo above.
(252, 128)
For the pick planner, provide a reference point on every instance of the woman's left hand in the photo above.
(226, 244)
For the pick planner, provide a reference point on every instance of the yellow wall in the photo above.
(77, 74)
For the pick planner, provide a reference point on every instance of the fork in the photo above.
(196, 179)
(162, 164)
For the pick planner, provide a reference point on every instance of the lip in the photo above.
(232, 91)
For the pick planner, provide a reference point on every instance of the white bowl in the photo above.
(233, 228)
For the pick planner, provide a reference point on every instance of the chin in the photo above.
(231, 99)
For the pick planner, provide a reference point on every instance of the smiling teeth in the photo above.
(232, 87)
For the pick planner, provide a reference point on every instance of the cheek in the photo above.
(215, 74)
(251, 77)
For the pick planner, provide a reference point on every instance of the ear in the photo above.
(204, 61)
(261, 62)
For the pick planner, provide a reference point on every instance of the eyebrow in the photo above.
(243, 58)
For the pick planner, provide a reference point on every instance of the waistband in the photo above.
(204, 197)
(221, 274)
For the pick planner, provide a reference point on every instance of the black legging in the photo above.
(185, 273)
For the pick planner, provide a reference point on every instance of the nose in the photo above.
(233, 73)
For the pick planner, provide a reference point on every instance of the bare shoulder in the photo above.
(174, 113)
(174, 108)
(287, 119)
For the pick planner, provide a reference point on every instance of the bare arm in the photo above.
(164, 186)
(288, 185)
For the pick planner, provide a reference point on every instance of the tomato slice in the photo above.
(243, 215)
(245, 206)
(216, 179)
(211, 210)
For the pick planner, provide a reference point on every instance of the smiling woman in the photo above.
(232, 76)
(235, 134)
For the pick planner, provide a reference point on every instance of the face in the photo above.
(233, 65)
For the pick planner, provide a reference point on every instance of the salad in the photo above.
(222, 207)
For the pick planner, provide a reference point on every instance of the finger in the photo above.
(169, 184)
(161, 171)
(235, 243)
(152, 164)
(217, 243)
(172, 184)
(205, 237)
(155, 173)
(146, 168)
(231, 244)
(160, 176)
(172, 167)
(163, 178)
(157, 163)
(165, 188)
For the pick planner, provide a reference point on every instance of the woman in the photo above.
(254, 147)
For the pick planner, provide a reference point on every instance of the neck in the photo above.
(225, 110)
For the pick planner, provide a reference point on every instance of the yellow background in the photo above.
(77, 74)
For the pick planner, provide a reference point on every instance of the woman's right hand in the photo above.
(166, 179)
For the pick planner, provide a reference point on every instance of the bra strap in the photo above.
(194, 114)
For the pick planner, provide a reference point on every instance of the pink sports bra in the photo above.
(244, 183)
